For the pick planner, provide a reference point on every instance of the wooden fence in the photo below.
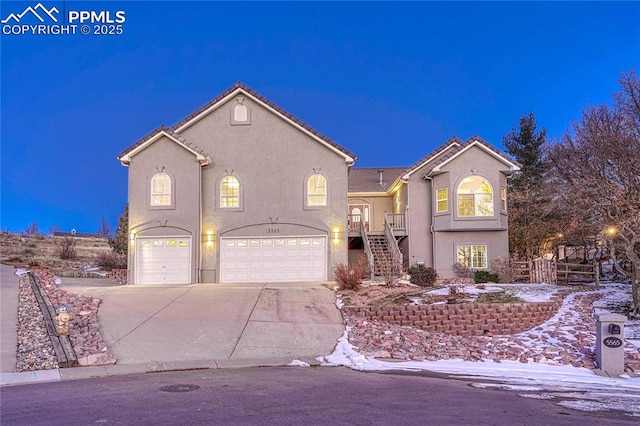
(554, 272)
(578, 273)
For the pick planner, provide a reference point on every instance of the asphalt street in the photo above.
(284, 396)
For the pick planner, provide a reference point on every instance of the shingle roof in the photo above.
(473, 140)
(368, 179)
(175, 136)
(452, 141)
(264, 100)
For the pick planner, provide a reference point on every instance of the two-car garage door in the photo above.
(282, 259)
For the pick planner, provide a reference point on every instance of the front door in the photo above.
(358, 213)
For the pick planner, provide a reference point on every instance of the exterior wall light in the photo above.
(132, 237)
(209, 239)
(336, 234)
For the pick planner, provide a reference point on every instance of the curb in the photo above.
(79, 373)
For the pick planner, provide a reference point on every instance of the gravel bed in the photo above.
(34, 348)
(84, 333)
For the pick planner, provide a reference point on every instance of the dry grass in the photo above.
(375, 294)
(39, 250)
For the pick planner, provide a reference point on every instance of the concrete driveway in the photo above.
(214, 322)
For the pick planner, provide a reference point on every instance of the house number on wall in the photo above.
(612, 342)
(273, 230)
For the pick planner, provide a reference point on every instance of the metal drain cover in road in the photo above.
(179, 388)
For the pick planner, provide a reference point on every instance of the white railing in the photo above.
(397, 221)
(367, 248)
(396, 254)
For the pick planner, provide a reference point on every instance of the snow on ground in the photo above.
(526, 292)
(572, 387)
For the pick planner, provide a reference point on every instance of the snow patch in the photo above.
(298, 363)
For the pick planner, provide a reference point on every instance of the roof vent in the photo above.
(380, 180)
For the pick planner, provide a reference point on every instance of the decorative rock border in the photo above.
(61, 344)
(86, 341)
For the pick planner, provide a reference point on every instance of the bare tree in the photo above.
(66, 248)
(104, 230)
(32, 229)
(597, 172)
(53, 229)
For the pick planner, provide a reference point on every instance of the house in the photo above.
(242, 191)
(449, 207)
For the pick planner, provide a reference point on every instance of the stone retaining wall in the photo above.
(465, 319)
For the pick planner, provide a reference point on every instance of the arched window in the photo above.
(229, 192)
(161, 189)
(475, 197)
(316, 191)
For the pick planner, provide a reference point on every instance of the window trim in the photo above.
(445, 200)
(471, 255)
(473, 196)
(172, 192)
(219, 195)
(307, 195)
(503, 199)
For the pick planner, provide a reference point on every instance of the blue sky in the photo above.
(389, 81)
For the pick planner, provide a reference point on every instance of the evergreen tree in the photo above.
(120, 241)
(531, 227)
(526, 145)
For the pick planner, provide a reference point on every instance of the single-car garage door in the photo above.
(273, 259)
(163, 260)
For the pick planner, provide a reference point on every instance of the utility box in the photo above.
(610, 344)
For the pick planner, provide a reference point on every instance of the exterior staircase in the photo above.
(382, 256)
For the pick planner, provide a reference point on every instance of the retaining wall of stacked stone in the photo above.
(464, 319)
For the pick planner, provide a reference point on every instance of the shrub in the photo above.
(486, 277)
(501, 266)
(462, 271)
(423, 276)
(111, 260)
(66, 248)
(349, 277)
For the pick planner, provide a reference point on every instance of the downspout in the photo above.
(199, 267)
(431, 227)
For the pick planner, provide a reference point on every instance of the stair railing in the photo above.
(396, 254)
(367, 248)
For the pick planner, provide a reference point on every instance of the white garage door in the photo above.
(273, 259)
(163, 260)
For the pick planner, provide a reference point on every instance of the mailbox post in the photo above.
(610, 344)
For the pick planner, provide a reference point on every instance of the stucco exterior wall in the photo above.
(272, 160)
(377, 207)
(497, 243)
(182, 218)
(473, 162)
(420, 241)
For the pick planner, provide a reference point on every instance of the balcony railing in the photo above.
(397, 221)
(354, 221)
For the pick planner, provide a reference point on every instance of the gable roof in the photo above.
(368, 179)
(174, 132)
(476, 141)
(157, 134)
(240, 88)
(452, 142)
